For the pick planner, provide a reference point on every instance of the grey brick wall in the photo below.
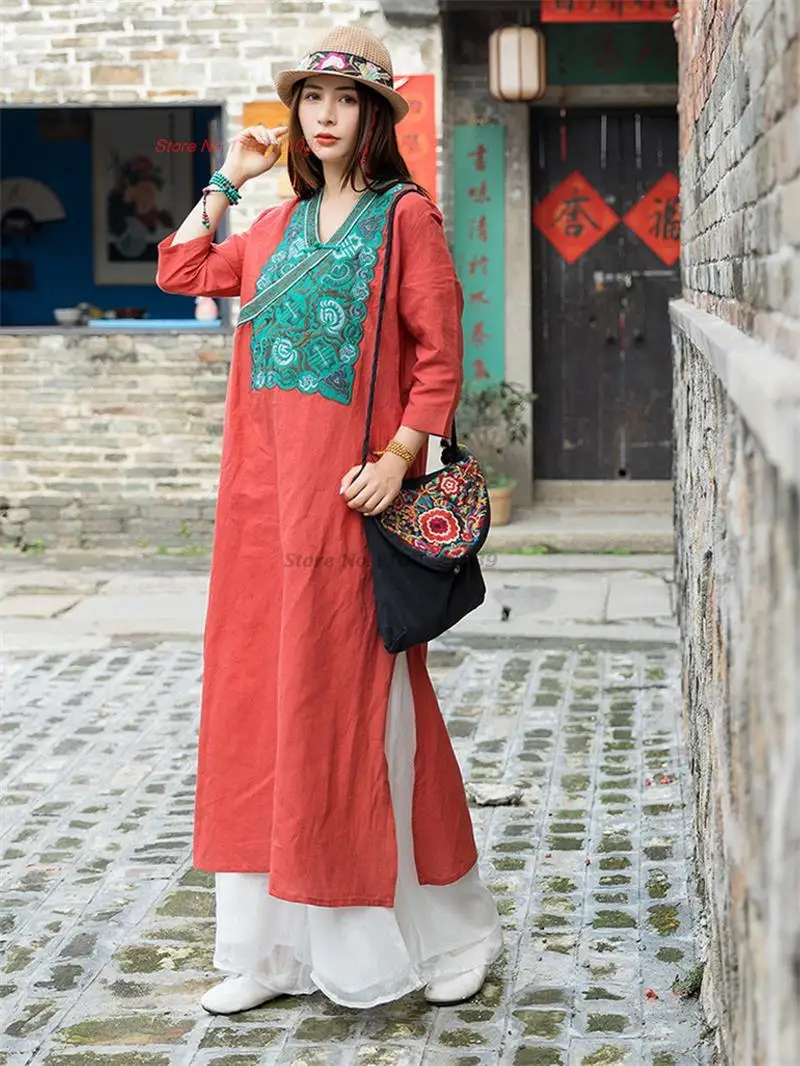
(740, 193)
(736, 336)
(111, 440)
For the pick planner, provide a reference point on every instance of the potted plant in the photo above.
(489, 419)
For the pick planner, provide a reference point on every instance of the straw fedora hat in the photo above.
(352, 52)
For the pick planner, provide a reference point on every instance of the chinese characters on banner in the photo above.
(656, 219)
(608, 10)
(416, 134)
(574, 216)
(479, 186)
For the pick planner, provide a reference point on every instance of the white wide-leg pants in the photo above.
(362, 956)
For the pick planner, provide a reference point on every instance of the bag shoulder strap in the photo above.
(378, 327)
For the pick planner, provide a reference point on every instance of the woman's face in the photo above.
(328, 113)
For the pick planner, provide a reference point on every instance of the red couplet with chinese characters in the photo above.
(656, 219)
(608, 10)
(574, 216)
(416, 134)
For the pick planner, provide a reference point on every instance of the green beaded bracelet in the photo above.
(223, 184)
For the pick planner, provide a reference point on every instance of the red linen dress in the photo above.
(292, 773)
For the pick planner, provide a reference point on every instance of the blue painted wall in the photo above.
(61, 252)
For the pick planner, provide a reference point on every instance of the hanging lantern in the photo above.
(517, 68)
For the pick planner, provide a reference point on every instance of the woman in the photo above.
(329, 800)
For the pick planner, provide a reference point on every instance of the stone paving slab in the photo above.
(587, 598)
(623, 605)
(106, 932)
(39, 605)
(65, 566)
(128, 613)
(566, 527)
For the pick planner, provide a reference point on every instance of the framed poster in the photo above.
(142, 160)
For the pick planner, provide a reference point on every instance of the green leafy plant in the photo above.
(690, 983)
(489, 419)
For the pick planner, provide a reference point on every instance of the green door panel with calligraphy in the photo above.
(479, 186)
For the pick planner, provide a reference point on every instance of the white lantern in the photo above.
(517, 68)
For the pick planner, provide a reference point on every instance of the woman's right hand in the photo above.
(252, 152)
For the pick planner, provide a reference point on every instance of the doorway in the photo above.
(605, 247)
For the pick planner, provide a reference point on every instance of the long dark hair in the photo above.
(383, 163)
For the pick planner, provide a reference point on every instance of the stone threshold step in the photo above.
(582, 529)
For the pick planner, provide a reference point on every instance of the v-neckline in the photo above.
(313, 234)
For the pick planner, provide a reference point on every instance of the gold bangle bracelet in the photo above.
(396, 448)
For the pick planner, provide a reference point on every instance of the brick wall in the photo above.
(736, 339)
(111, 440)
(740, 141)
(114, 441)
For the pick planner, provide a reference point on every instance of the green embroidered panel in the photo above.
(310, 303)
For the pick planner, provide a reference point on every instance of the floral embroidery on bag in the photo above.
(439, 526)
(446, 520)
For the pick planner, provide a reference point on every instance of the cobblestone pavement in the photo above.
(578, 783)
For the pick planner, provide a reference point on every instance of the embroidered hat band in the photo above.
(351, 52)
(346, 63)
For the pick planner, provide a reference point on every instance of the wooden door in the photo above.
(605, 265)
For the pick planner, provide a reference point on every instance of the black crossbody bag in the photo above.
(424, 546)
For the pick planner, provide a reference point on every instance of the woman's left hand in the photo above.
(373, 490)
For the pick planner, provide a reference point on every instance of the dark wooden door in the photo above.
(602, 278)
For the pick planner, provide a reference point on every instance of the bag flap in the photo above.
(442, 517)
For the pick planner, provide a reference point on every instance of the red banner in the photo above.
(656, 219)
(416, 134)
(608, 10)
(574, 217)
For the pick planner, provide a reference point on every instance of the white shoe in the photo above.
(456, 989)
(235, 995)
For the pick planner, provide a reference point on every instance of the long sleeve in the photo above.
(200, 267)
(431, 302)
